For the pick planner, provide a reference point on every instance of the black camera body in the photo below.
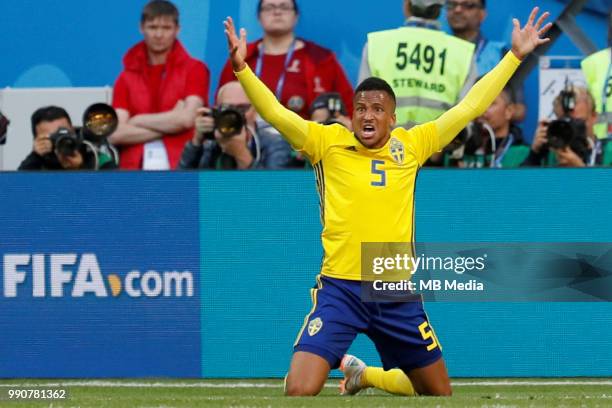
(468, 140)
(99, 121)
(229, 121)
(333, 104)
(568, 132)
(66, 142)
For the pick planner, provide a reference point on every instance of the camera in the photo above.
(229, 121)
(568, 132)
(474, 145)
(468, 140)
(4, 122)
(99, 121)
(66, 142)
(333, 104)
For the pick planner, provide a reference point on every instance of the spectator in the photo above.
(296, 70)
(510, 148)
(465, 18)
(249, 148)
(598, 73)
(427, 69)
(492, 141)
(578, 106)
(158, 93)
(51, 123)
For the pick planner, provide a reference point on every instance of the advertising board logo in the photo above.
(78, 275)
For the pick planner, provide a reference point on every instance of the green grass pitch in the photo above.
(269, 393)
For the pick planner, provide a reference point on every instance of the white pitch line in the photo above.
(528, 383)
(242, 384)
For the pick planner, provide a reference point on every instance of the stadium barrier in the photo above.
(208, 274)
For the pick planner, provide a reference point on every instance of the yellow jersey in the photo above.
(367, 195)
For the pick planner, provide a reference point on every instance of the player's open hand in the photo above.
(528, 38)
(237, 45)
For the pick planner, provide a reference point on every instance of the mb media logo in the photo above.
(84, 275)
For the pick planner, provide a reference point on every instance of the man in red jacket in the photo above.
(296, 70)
(158, 93)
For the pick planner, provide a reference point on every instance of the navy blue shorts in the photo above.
(400, 330)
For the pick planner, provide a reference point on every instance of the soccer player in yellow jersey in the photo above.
(366, 182)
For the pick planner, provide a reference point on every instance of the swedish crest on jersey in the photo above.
(397, 150)
(314, 326)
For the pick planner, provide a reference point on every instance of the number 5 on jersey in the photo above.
(379, 173)
(428, 334)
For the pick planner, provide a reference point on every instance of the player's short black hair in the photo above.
(295, 7)
(48, 114)
(376, 84)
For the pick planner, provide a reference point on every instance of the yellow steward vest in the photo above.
(596, 69)
(426, 69)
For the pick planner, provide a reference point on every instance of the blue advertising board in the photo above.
(207, 274)
(99, 275)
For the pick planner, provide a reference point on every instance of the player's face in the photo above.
(277, 17)
(373, 118)
(159, 34)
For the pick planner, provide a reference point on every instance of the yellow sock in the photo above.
(392, 381)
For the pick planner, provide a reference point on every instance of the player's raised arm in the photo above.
(288, 123)
(484, 92)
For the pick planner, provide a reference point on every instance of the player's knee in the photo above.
(301, 388)
(438, 390)
(445, 391)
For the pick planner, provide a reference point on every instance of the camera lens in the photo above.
(229, 122)
(559, 134)
(65, 142)
(66, 146)
(100, 121)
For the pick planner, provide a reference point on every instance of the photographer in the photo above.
(57, 145)
(228, 137)
(569, 141)
(493, 140)
(328, 108)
